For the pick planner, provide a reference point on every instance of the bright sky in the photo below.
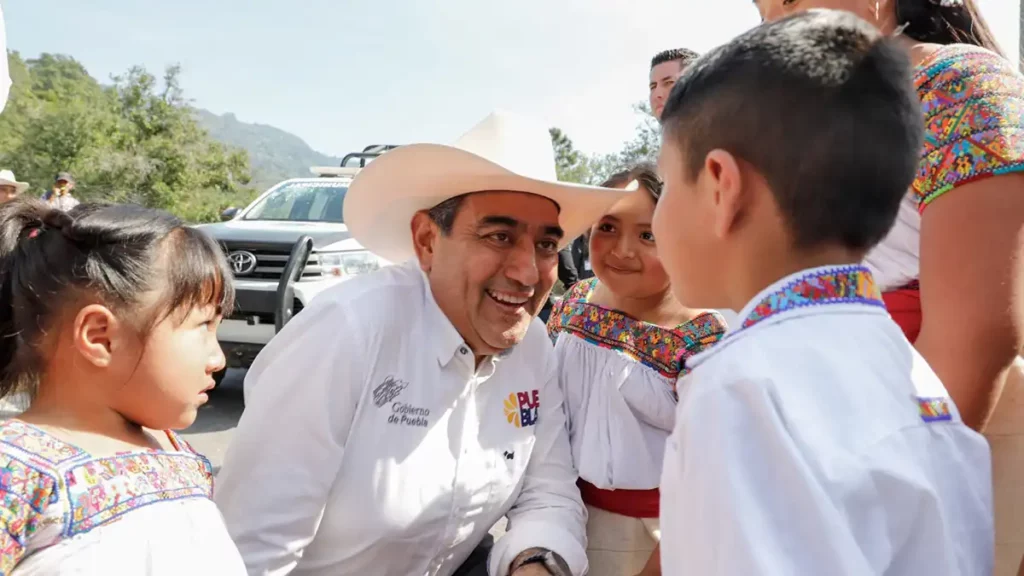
(343, 74)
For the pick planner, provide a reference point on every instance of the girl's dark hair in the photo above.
(112, 254)
(645, 174)
(945, 22)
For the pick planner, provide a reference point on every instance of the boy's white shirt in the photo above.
(800, 449)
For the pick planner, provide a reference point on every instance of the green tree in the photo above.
(646, 143)
(571, 165)
(134, 141)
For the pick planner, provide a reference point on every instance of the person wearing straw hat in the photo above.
(10, 188)
(394, 421)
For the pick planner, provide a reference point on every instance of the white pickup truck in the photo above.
(275, 277)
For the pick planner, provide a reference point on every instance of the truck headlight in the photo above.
(345, 263)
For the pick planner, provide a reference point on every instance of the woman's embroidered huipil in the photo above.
(618, 375)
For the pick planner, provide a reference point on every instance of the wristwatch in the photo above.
(549, 560)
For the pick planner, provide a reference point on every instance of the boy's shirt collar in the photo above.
(812, 291)
(823, 286)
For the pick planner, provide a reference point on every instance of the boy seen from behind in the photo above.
(813, 439)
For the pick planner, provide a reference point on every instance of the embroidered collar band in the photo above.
(815, 287)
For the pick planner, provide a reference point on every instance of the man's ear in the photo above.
(97, 334)
(724, 176)
(424, 232)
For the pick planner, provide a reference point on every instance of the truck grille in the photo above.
(265, 262)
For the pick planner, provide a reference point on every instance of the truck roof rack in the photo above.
(369, 153)
(333, 172)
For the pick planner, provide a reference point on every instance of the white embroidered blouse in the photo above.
(147, 512)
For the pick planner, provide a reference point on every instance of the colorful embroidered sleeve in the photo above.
(578, 292)
(24, 494)
(554, 324)
(972, 101)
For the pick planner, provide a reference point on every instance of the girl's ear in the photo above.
(97, 334)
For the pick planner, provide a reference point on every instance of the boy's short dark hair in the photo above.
(685, 56)
(824, 107)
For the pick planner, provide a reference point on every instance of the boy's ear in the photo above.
(723, 172)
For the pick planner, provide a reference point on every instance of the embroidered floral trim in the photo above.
(847, 285)
(662, 349)
(38, 443)
(25, 492)
(973, 103)
(51, 490)
(102, 490)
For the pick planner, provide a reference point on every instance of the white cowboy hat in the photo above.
(7, 179)
(503, 152)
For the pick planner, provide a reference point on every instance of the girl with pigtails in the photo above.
(108, 319)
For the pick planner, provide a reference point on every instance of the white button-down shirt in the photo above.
(817, 441)
(371, 444)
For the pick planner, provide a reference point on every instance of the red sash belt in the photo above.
(904, 306)
(632, 503)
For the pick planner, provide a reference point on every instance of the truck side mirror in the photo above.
(229, 214)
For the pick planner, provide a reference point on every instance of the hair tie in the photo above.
(34, 232)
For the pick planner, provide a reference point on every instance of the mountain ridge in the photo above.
(274, 154)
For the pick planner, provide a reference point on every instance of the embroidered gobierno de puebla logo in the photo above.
(388, 390)
(401, 414)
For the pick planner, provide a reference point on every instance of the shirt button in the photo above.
(463, 351)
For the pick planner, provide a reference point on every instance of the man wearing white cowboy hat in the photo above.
(402, 414)
(10, 188)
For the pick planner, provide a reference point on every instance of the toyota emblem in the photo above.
(242, 263)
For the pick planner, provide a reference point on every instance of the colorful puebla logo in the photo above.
(934, 409)
(521, 408)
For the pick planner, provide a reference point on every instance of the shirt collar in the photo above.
(447, 341)
(823, 288)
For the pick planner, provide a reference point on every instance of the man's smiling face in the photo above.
(492, 272)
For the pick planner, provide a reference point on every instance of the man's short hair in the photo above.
(685, 56)
(823, 106)
(444, 213)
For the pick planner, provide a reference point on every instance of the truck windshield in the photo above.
(316, 201)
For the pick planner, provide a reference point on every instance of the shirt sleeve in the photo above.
(548, 512)
(974, 129)
(739, 497)
(301, 395)
(25, 494)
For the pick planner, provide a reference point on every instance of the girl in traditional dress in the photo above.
(108, 317)
(951, 265)
(622, 340)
